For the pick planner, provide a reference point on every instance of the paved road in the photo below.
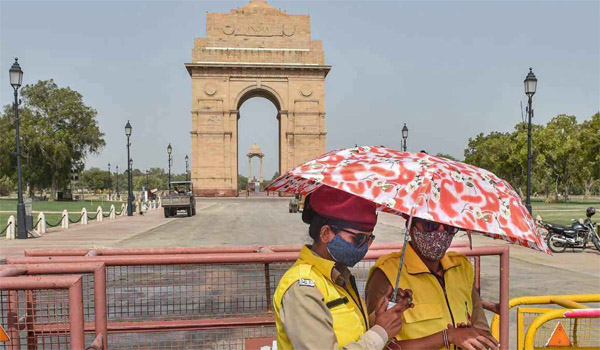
(239, 222)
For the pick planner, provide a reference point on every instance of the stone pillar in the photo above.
(112, 212)
(261, 170)
(12, 228)
(249, 169)
(84, 216)
(65, 219)
(99, 216)
(41, 226)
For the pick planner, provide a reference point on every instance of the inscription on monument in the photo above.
(260, 29)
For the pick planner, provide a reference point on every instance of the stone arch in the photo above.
(263, 91)
(254, 51)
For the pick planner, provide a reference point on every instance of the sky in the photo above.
(448, 69)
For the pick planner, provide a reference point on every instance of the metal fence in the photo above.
(210, 301)
(42, 312)
(93, 279)
(198, 250)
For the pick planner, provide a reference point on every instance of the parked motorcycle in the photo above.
(559, 237)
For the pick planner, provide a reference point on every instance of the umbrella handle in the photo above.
(406, 236)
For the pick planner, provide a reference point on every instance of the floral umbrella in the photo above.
(421, 185)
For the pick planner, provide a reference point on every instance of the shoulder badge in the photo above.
(306, 283)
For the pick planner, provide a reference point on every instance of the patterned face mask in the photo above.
(432, 245)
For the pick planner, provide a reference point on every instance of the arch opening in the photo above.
(256, 129)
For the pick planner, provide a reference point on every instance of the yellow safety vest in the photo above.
(349, 322)
(435, 307)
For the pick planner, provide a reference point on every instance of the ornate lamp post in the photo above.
(16, 79)
(404, 137)
(129, 178)
(530, 87)
(187, 159)
(117, 182)
(169, 151)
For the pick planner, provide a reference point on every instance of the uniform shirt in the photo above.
(308, 321)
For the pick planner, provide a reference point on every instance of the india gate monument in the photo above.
(254, 51)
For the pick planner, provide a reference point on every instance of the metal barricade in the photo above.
(43, 312)
(93, 278)
(162, 301)
(582, 325)
(580, 331)
(198, 250)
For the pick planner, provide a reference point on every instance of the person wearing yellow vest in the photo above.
(447, 310)
(317, 304)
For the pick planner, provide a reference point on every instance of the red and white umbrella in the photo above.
(421, 185)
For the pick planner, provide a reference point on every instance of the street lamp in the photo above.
(118, 196)
(186, 167)
(16, 79)
(129, 178)
(109, 181)
(404, 137)
(530, 87)
(147, 179)
(169, 151)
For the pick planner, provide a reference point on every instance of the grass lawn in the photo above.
(562, 213)
(73, 207)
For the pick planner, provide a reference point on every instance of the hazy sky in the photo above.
(448, 69)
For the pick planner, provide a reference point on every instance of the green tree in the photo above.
(504, 154)
(95, 179)
(242, 182)
(58, 131)
(447, 156)
(589, 136)
(563, 156)
(6, 186)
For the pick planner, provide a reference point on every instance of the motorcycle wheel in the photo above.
(596, 242)
(555, 247)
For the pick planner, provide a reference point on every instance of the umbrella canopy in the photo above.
(421, 185)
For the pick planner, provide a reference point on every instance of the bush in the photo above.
(6, 186)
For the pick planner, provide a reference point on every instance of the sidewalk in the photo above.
(107, 233)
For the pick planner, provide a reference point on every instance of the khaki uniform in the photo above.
(317, 306)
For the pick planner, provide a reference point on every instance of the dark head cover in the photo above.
(341, 208)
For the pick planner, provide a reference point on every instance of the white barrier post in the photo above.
(123, 209)
(11, 230)
(64, 223)
(41, 226)
(84, 218)
(112, 213)
(99, 216)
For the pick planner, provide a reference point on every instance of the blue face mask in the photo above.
(345, 252)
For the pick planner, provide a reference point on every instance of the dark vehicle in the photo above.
(559, 237)
(180, 197)
(297, 203)
(294, 205)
